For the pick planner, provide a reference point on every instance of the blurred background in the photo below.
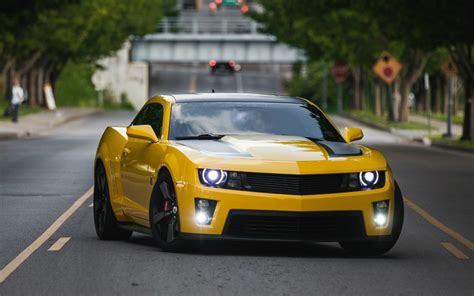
(400, 65)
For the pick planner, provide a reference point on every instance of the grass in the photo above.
(453, 142)
(457, 119)
(24, 110)
(383, 122)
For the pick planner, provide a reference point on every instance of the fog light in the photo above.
(380, 219)
(202, 204)
(204, 210)
(202, 218)
(380, 212)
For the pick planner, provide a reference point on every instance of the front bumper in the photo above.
(321, 217)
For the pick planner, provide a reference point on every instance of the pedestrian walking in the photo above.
(18, 96)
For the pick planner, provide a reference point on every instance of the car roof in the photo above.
(234, 97)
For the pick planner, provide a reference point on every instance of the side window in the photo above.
(151, 115)
(139, 118)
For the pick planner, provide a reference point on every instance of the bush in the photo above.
(74, 86)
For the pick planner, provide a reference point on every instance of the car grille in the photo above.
(310, 226)
(300, 184)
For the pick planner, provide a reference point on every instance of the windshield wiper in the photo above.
(210, 136)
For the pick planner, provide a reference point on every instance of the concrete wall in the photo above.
(120, 75)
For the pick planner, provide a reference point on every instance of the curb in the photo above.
(449, 147)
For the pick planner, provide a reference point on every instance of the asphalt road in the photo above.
(41, 178)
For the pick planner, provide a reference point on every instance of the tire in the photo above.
(106, 225)
(376, 248)
(164, 215)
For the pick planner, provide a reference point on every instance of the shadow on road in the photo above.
(264, 249)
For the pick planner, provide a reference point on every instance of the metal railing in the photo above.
(233, 25)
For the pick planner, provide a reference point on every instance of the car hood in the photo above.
(236, 152)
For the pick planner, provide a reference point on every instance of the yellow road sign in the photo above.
(387, 67)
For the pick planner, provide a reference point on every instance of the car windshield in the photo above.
(203, 120)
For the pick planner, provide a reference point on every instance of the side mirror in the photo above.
(352, 134)
(144, 132)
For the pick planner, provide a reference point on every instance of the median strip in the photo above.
(455, 251)
(18, 260)
(440, 225)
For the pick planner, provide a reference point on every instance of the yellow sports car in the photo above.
(243, 167)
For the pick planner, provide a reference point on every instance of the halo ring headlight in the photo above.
(214, 177)
(369, 179)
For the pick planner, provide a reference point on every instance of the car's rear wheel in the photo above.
(375, 248)
(164, 215)
(105, 222)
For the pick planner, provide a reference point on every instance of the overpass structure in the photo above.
(199, 39)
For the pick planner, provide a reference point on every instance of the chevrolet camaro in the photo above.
(243, 167)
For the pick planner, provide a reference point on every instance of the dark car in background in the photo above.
(223, 66)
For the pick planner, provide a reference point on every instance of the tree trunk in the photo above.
(468, 124)
(396, 98)
(356, 93)
(377, 98)
(363, 88)
(437, 93)
(445, 95)
(462, 56)
(39, 86)
(414, 70)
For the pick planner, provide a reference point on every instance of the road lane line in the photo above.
(91, 205)
(15, 263)
(59, 244)
(455, 251)
(440, 225)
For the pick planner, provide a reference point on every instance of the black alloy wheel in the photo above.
(164, 215)
(106, 225)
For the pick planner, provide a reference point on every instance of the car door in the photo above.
(137, 180)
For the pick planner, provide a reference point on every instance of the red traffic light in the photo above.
(212, 63)
(244, 8)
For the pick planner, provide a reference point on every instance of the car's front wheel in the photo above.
(105, 223)
(164, 215)
(375, 248)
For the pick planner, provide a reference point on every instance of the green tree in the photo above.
(40, 37)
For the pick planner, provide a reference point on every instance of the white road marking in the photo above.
(18, 260)
(59, 244)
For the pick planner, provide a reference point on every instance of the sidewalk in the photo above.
(456, 129)
(41, 122)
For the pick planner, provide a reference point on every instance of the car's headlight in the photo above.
(220, 178)
(371, 179)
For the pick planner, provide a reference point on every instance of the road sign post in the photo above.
(339, 71)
